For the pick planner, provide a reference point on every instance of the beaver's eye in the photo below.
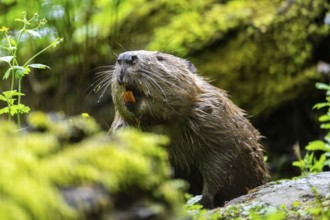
(160, 58)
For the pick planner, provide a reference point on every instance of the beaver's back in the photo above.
(217, 149)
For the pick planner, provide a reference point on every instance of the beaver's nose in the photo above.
(127, 57)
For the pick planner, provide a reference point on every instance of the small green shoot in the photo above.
(12, 108)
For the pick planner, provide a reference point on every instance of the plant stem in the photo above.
(13, 53)
(19, 101)
(7, 37)
(19, 37)
(12, 78)
(5, 48)
(9, 110)
(37, 54)
(19, 79)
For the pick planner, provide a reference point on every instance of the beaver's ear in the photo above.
(191, 67)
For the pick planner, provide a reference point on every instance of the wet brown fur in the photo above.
(213, 146)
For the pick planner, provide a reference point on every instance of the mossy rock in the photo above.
(263, 52)
(307, 197)
(47, 174)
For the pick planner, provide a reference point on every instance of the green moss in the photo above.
(200, 26)
(24, 187)
(129, 165)
(264, 65)
(38, 164)
(262, 211)
(262, 52)
(65, 129)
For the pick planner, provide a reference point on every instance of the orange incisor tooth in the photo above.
(128, 97)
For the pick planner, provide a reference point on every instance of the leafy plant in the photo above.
(16, 71)
(12, 109)
(311, 163)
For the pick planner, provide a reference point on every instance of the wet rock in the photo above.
(286, 192)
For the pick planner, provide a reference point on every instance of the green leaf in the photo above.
(6, 58)
(4, 110)
(7, 73)
(318, 164)
(27, 70)
(38, 66)
(8, 94)
(322, 86)
(20, 71)
(327, 163)
(20, 108)
(325, 126)
(317, 145)
(12, 42)
(3, 98)
(11, 93)
(324, 118)
(194, 200)
(321, 105)
(327, 138)
(33, 33)
(23, 108)
(12, 110)
(299, 163)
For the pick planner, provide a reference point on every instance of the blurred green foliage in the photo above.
(62, 153)
(263, 52)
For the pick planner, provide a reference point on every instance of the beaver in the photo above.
(213, 145)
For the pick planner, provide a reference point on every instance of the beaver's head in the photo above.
(150, 87)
